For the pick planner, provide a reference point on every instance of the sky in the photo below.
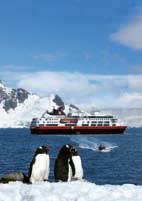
(87, 51)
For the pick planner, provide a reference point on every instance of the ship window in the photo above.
(94, 122)
(106, 124)
(84, 124)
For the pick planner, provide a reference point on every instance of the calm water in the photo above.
(121, 164)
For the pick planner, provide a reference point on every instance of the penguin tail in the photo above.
(26, 179)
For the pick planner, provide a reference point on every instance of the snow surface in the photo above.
(71, 191)
(4, 88)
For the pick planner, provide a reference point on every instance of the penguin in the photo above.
(14, 176)
(39, 166)
(64, 168)
(77, 163)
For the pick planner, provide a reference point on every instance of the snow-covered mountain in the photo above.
(18, 107)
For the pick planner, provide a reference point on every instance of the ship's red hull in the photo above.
(77, 130)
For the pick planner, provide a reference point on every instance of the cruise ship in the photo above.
(57, 122)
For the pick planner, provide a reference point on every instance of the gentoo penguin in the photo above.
(39, 166)
(78, 169)
(14, 176)
(64, 168)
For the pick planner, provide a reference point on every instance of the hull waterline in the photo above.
(77, 130)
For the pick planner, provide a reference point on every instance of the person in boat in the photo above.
(101, 147)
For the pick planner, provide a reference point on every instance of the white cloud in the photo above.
(131, 34)
(83, 89)
(68, 84)
(130, 100)
(86, 89)
(135, 82)
(136, 69)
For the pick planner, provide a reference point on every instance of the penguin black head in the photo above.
(42, 150)
(66, 151)
(74, 151)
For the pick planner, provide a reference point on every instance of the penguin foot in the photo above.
(45, 180)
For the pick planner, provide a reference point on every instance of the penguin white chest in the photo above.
(78, 167)
(69, 171)
(40, 169)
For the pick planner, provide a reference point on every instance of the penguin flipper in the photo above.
(30, 169)
(72, 167)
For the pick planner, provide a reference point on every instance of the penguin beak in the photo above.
(48, 148)
(72, 149)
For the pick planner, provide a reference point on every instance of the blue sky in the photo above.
(78, 39)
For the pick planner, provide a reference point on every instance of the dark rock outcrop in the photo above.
(59, 102)
(3, 95)
(11, 98)
(74, 107)
(22, 95)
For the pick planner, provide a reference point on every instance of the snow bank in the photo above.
(74, 191)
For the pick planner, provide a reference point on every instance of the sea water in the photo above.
(114, 175)
(120, 164)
